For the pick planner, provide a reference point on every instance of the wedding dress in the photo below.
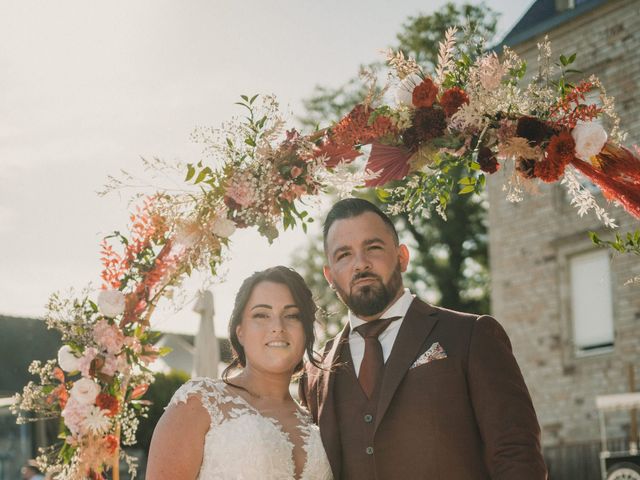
(243, 444)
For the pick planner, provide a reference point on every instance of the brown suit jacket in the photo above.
(466, 417)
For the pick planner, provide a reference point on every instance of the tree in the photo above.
(450, 259)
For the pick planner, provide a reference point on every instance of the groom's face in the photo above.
(364, 264)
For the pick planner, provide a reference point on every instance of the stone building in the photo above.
(574, 324)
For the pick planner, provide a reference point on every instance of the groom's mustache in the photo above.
(361, 275)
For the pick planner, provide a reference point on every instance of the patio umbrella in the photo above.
(207, 356)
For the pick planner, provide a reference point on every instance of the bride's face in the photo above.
(271, 330)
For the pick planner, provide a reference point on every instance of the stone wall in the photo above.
(531, 241)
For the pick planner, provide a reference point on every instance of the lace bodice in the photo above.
(243, 444)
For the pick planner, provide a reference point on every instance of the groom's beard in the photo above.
(373, 298)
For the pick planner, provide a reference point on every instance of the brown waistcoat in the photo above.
(356, 414)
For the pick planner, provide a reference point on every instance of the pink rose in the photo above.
(85, 391)
(74, 414)
(84, 365)
(110, 365)
(109, 337)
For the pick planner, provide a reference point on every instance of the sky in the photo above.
(88, 88)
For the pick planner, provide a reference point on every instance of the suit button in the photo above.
(368, 418)
(369, 450)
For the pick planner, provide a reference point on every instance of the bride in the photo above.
(248, 426)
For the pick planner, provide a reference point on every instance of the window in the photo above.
(591, 301)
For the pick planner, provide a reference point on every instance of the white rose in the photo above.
(85, 391)
(590, 138)
(223, 227)
(111, 303)
(67, 359)
(404, 91)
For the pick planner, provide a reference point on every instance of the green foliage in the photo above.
(159, 394)
(563, 85)
(629, 243)
(449, 258)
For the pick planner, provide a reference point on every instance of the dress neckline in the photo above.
(300, 413)
(304, 425)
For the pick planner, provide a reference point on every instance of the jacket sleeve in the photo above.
(503, 406)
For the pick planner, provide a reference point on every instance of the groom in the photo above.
(409, 390)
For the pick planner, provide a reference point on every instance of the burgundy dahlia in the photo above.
(487, 160)
(534, 130)
(429, 122)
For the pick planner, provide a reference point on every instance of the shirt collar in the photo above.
(398, 309)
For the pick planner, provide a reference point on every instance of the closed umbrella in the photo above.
(207, 355)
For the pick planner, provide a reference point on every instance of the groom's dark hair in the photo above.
(353, 207)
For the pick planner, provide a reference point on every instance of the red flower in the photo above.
(487, 160)
(548, 170)
(559, 152)
(382, 126)
(424, 94)
(452, 99)
(561, 148)
(108, 402)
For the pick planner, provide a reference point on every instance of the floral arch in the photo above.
(472, 113)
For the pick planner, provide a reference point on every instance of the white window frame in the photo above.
(580, 279)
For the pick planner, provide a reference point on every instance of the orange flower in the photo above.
(111, 444)
(452, 99)
(60, 394)
(424, 94)
(109, 403)
(139, 391)
(548, 171)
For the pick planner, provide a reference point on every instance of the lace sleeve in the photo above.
(207, 393)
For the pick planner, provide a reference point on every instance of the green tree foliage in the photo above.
(450, 260)
(159, 394)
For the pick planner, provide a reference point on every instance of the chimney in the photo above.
(562, 5)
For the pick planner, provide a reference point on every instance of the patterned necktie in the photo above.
(373, 360)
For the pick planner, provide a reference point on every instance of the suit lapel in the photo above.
(327, 419)
(416, 326)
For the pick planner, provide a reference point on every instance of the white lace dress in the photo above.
(243, 444)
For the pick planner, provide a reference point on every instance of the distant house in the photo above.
(574, 324)
(183, 352)
(23, 340)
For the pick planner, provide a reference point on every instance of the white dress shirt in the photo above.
(386, 338)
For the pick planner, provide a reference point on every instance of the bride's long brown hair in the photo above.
(303, 299)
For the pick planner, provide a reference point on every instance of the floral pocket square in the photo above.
(435, 352)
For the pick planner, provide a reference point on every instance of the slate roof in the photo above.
(541, 17)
